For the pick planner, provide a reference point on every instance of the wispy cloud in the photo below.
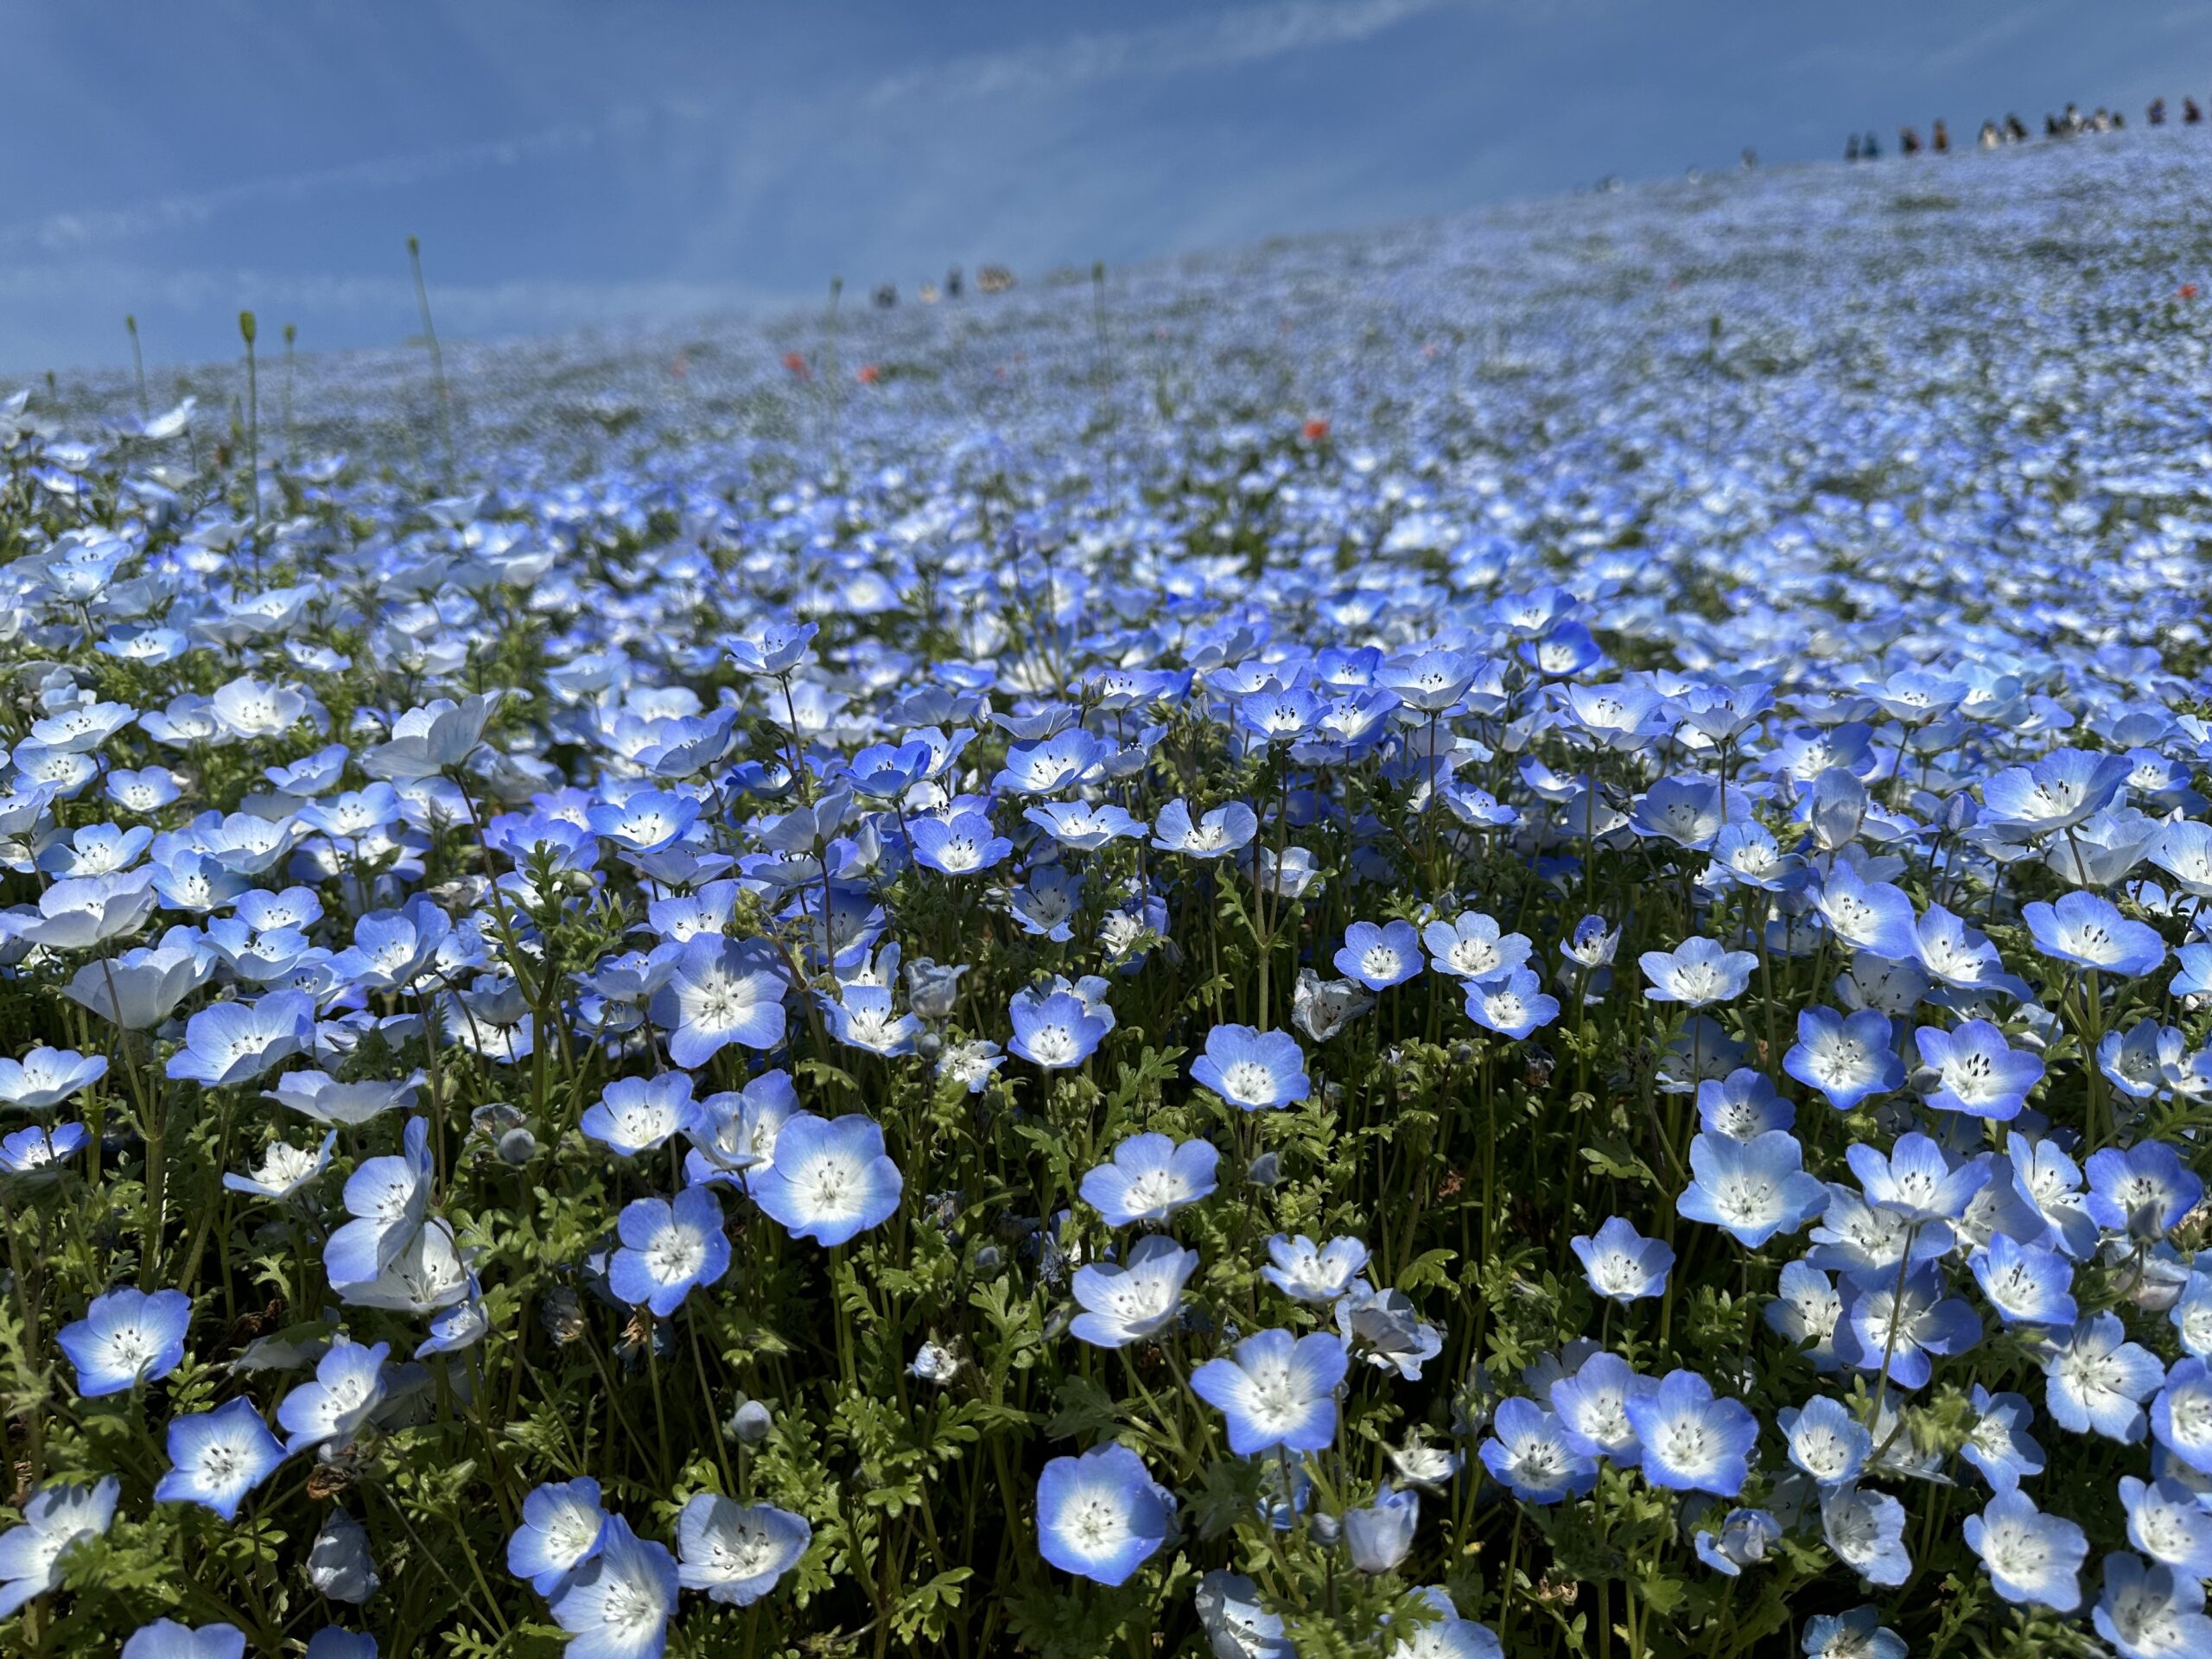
(1223, 39)
(79, 229)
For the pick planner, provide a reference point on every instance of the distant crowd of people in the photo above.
(2012, 130)
(991, 279)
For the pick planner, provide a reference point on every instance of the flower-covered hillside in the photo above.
(1479, 940)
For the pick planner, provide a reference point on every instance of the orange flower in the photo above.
(870, 374)
(2188, 290)
(796, 365)
(1314, 431)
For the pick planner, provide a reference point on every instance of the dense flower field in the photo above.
(1479, 940)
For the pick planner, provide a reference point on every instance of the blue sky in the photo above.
(567, 163)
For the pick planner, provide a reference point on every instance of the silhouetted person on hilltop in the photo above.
(2157, 113)
(1990, 137)
(1940, 138)
(2191, 115)
(1850, 148)
(1908, 140)
(1872, 150)
(2015, 130)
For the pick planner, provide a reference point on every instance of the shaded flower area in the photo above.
(1490, 942)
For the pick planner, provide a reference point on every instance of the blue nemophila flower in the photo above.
(1747, 854)
(1859, 1634)
(2151, 1611)
(1314, 1274)
(1083, 827)
(1976, 1071)
(1472, 947)
(2090, 931)
(1742, 1106)
(1383, 1327)
(2181, 1416)
(1687, 812)
(561, 1524)
(236, 1042)
(1868, 1245)
(284, 1170)
(1804, 1312)
(2144, 1190)
(2191, 1314)
(1380, 1536)
(389, 1199)
(736, 1552)
(1592, 1408)
(1252, 1070)
(720, 991)
(635, 1115)
(1053, 764)
(1893, 1328)
(217, 1457)
(2195, 979)
(2049, 1179)
(1056, 1030)
(1826, 1441)
(830, 1178)
(127, 1337)
(736, 1131)
(1215, 834)
(34, 1156)
(1100, 1515)
(865, 1017)
(1744, 1539)
(167, 1639)
(1136, 1298)
(2053, 794)
(1697, 973)
(1874, 917)
(1621, 1264)
(1866, 1529)
(2097, 1380)
(1379, 957)
(1513, 1004)
(1234, 1619)
(1846, 1057)
(1962, 957)
(669, 1247)
(348, 1386)
(1149, 1178)
(1275, 1389)
(645, 821)
(963, 844)
(2032, 1558)
(769, 649)
(1753, 1189)
(1917, 1181)
(2026, 1284)
(617, 1603)
(1692, 1441)
(2167, 1524)
(2145, 1061)
(45, 1077)
(55, 1519)
(1999, 1445)
(1528, 1451)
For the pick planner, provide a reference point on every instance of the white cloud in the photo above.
(1223, 39)
(67, 232)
